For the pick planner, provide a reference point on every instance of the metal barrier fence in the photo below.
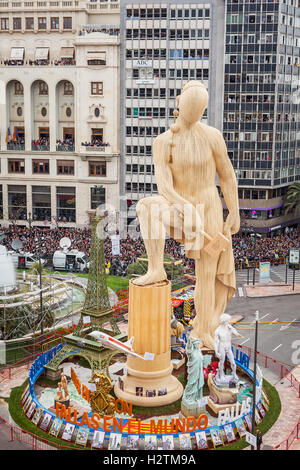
(287, 443)
(284, 372)
(269, 363)
(14, 433)
(18, 434)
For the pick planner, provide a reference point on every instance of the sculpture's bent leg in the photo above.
(153, 233)
(205, 295)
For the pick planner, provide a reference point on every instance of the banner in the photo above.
(115, 245)
(264, 271)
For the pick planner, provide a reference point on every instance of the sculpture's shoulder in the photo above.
(162, 139)
(211, 132)
(161, 147)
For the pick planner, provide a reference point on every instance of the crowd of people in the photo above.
(110, 31)
(95, 143)
(66, 145)
(41, 143)
(245, 248)
(40, 62)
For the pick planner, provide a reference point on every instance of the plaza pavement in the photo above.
(271, 289)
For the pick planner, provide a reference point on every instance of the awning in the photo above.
(17, 53)
(67, 52)
(96, 55)
(42, 53)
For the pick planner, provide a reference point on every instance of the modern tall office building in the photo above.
(163, 45)
(261, 107)
(247, 54)
(59, 98)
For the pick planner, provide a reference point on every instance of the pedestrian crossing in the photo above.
(278, 274)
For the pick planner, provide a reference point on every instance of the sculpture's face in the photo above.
(192, 103)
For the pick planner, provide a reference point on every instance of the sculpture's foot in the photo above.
(151, 277)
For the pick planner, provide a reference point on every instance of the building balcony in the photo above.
(15, 146)
(40, 147)
(65, 147)
(96, 148)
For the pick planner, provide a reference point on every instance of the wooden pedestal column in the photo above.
(150, 324)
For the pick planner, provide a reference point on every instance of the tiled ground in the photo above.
(271, 290)
(289, 416)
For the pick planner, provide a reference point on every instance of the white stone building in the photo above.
(59, 89)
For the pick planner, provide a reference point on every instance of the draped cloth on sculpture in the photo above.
(225, 279)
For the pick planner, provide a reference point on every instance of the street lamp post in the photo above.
(29, 220)
(253, 431)
(41, 286)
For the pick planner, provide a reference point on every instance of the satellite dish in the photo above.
(65, 243)
(3, 250)
(16, 244)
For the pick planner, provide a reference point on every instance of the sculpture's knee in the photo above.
(140, 207)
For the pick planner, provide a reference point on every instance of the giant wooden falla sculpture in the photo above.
(187, 158)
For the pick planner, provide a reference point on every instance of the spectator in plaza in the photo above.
(245, 248)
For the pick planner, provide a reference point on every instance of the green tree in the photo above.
(173, 270)
(292, 199)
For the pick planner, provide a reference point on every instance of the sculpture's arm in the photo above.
(234, 331)
(228, 183)
(217, 343)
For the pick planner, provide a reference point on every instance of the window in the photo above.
(16, 166)
(54, 22)
(40, 166)
(97, 196)
(67, 23)
(65, 167)
(17, 202)
(42, 23)
(68, 88)
(16, 23)
(4, 24)
(29, 23)
(66, 204)
(97, 168)
(43, 88)
(96, 88)
(19, 90)
(41, 202)
(97, 136)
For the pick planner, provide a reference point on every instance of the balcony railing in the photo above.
(40, 147)
(38, 63)
(15, 146)
(65, 148)
(96, 148)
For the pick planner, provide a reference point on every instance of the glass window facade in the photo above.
(261, 127)
(66, 204)
(41, 202)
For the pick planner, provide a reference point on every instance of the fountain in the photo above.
(7, 272)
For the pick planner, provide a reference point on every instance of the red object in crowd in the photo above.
(212, 367)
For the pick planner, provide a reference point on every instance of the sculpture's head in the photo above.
(192, 101)
(225, 318)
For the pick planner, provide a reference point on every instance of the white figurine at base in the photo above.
(223, 337)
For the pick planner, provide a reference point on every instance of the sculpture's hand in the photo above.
(192, 223)
(232, 223)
